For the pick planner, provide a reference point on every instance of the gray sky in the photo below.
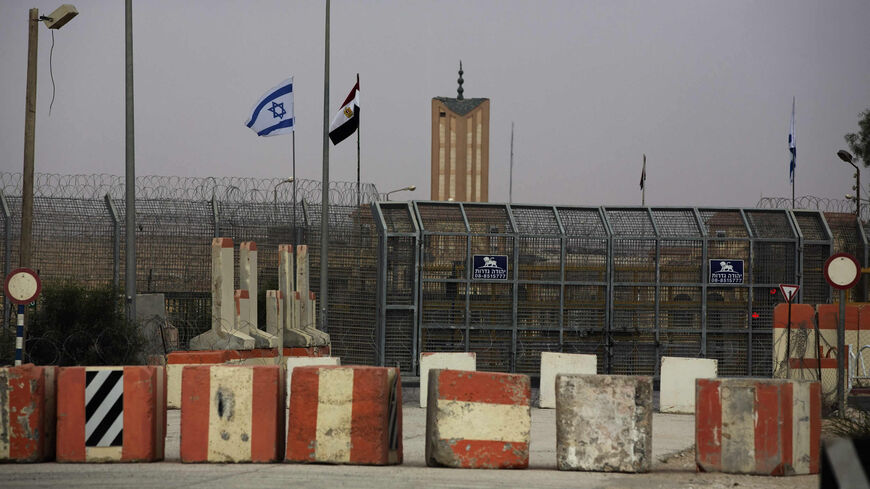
(703, 88)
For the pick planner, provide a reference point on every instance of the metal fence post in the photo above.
(116, 241)
(7, 253)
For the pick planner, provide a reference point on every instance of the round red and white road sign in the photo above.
(22, 286)
(842, 271)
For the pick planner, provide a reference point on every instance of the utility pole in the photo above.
(29, 141)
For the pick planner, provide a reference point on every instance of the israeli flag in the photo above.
(273, 113)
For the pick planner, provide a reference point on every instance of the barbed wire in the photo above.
(156, 187)
(813, 202)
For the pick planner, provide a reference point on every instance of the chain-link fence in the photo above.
(628, 284)
(79, 230)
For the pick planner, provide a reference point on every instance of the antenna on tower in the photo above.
(461, 81)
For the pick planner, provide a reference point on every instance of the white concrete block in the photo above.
(553, 364)
(677, 387)
(293, 362)
(248, 276)
(445, 360)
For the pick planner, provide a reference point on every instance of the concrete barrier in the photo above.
(176, 361)
(561, 363)
(345, 415)
(604, 422)
(293, 362)
(111, 414)
(478, 419)
(27, 413)
(446, 360)
(677, 388)
(757, 426)
(232, 414)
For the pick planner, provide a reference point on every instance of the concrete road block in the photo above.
(757, 426)
(478, 420)
(111, 414)
(345, 415)
(293, 362)
(604, 422)
(445, 360)
(678, 375)
(562, 363)
(27, 413)
(232, 413)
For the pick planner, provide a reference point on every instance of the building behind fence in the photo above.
(628, 284)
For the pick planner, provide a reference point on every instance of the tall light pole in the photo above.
(129, 166)
(55, 20)
(409, 188)
(847, 157)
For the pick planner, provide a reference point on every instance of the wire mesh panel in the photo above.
(724, 223)
(488, 219)
(535, 220)
(676, 223)
(538, 306)
(731, 352)
(816, 250)
(634, 260)
(769, 224)
(443, 304)
(399, 339)
(681, 261)
(847, 239)
(680, 308)
(633, 309)
(530, 344)
(727, 309)
(491, 304)
(633, 353)
(446, 218)
(493, 348)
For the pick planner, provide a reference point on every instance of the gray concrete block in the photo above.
(604, 422)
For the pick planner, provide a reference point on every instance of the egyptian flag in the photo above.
(346, 121)
(643, 173)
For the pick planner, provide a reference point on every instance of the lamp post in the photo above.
(847, 157)
(275, 189)
(275, 197)
(409, 188)
(55, 20)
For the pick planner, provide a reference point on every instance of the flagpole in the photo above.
(792, 142)
(324, 190)
(357, 154)
(295, 231)
(511, 179)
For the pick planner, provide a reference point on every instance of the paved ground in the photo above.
(672, 450)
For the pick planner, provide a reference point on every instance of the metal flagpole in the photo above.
(357, 154)
(295, 236)
(324, 190)
(511, 179)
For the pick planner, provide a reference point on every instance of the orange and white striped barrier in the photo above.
(232, 413)
(27, 413)
(446, 360)
(345, 415)
(111, 414)
(757, 426)
(177, 360)
(478, 419)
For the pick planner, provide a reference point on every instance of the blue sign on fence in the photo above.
(723, 271)
(490, 267)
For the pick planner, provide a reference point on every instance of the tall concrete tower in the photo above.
(460, 147)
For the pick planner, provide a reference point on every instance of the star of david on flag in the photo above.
(273, 113)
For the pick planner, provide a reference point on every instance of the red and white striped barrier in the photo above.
(232, 413)
(345, 415)
(27, 413)
(111, 414)
(757, 426)
(478, 419)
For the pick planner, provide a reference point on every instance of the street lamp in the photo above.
(55, 20)
(409, 188)
(275, 189)
(847, 157)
